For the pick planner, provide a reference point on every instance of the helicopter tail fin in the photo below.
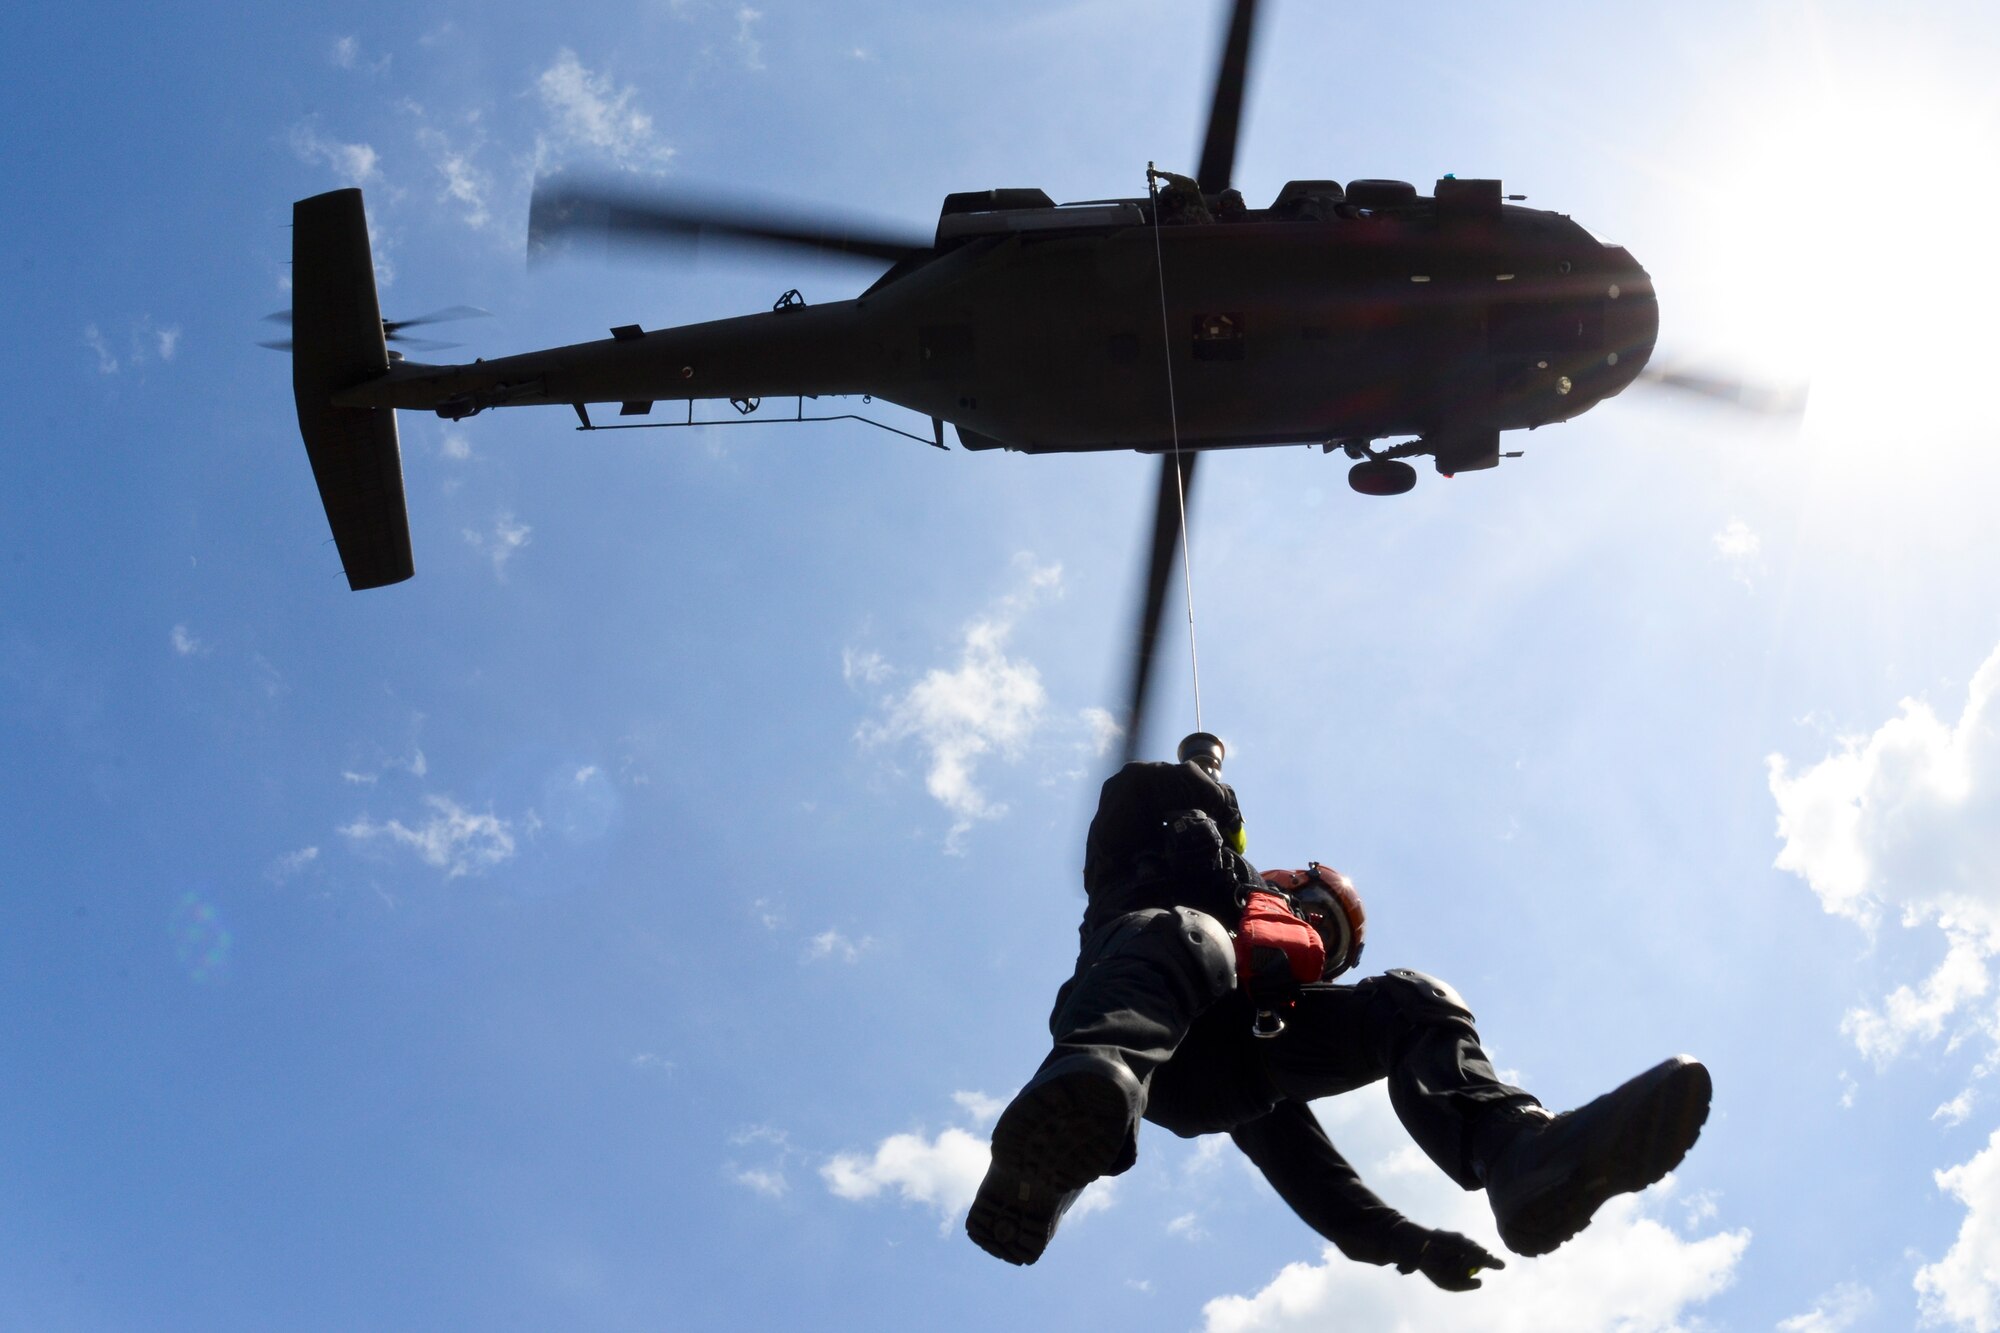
(337, 342)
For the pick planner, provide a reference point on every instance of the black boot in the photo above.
(1548, 1177)
(1069, 1126)
(1142, 980)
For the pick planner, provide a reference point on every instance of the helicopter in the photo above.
(1337, 315)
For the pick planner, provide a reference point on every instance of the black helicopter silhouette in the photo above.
(1176, 323)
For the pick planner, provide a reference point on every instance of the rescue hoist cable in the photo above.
(1174, 427)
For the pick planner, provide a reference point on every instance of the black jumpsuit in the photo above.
(1221, 1078)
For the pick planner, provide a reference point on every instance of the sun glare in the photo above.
(1851, 241)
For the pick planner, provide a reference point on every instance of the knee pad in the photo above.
(1181, 936)
(1424, 998)
(1214, 952)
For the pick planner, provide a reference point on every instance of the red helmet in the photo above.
(1326, 899)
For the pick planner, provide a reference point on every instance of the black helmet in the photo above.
(1205, 748)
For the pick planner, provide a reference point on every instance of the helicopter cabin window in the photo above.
(1218, 337)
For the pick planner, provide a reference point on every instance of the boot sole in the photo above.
(1052, 1141)
(1647, 1141)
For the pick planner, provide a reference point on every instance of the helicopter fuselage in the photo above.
(1053, 329)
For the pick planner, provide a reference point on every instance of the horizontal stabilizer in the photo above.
(337, 342)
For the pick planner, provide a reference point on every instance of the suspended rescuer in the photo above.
(1202, 1001)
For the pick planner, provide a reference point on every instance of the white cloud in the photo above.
(1920, 1013)
(144, 341)
(1835, 1312)
(1736, 541)
(988, 703)
(186, 644)
(456, 445)
(590, 112)
(269, 678)
(1629, 1270)
(1701, 1206)
(1954, 1112)
(415, 765)
(453, 839)
(346, 54)
(1099, 1197)
(1188, 1227)
(1963, 1288)
(1103, 730)
(765, 1181)
(353, 163)
(107, 364)
(508, 537)
(941, 1173)
(866, 667)
(292, 863)
(984, 1110)
(651, 1062)
(1206, 1155)
(833, 944)
(464, 183)
(747, 43)
(1907, 820)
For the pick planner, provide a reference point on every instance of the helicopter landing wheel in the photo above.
(1382, 476)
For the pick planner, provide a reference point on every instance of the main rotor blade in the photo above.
(1225, 112)
(565, 209)
(1167, 537)
(1778, 400)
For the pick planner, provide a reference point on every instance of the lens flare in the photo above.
(202, 943)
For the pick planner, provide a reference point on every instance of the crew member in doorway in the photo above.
(1180, 199)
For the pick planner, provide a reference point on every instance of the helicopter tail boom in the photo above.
(338, 342)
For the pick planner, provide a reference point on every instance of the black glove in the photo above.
(1450, 1261)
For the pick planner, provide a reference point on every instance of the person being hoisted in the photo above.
(1202, 1002)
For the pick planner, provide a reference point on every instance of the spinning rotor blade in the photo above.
(1225, 113)
(563, 209)
(392, 328)
(445, 315)
(1778, 400)
(1167, 536)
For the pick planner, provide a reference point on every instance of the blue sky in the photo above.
(634, 921)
